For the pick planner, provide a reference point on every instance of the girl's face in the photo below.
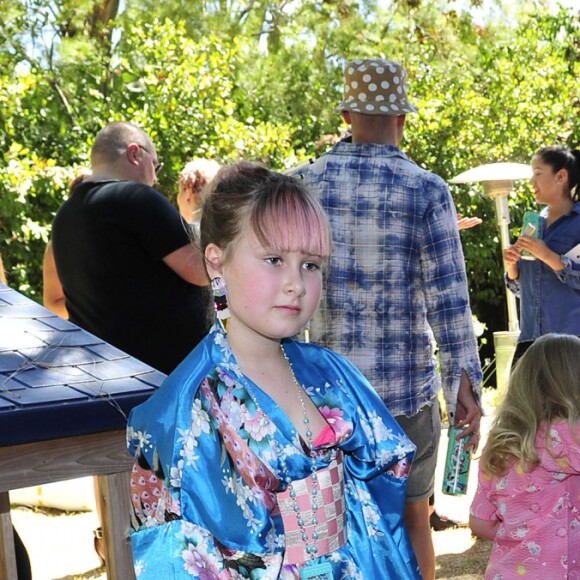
(548, 185)
(270, 293)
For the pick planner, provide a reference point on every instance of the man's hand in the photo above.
(468, 412)
(466, 223)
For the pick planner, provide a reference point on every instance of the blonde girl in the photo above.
(528, 496)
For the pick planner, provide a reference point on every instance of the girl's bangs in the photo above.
(293, 224)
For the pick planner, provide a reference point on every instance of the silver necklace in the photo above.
(311, 548)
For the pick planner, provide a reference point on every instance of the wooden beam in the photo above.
(61, 459)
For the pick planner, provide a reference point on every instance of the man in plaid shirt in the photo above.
(397, 286)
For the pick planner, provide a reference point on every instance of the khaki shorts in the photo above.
(424, 430)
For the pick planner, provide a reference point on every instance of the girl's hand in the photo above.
(511, 255)
(540, 251)
(535, 246)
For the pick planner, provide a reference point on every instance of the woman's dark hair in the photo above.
(559, 157)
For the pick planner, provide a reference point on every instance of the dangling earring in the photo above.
(220, 301)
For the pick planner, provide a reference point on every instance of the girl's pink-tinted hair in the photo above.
(286, 217)
(282, 214)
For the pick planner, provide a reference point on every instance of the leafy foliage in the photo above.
(259, 80)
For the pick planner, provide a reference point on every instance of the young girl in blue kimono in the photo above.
(261, 456)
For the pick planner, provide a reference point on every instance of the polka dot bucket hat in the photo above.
(375, 86)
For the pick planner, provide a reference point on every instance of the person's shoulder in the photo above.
(195, 366)
(182, 383)
(135, 196)
(115, 187)
(310, 168)
(559, 431)
(428, 177)
(132, 188)
(311, 349)
(109, 191)
(324, 356)
(340, 150)
(431, 187)
(300, 169)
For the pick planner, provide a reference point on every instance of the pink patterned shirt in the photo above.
(539, 512)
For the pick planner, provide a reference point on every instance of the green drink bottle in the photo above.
(457, 464)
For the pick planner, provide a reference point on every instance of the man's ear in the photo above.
(132, 153)
(213, 260)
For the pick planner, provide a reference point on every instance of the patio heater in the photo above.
(497, 179)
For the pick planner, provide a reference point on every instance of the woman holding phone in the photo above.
(543, 267)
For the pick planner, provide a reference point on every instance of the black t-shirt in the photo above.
(109, 241)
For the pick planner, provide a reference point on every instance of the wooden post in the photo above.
(114, 509)
(7, 554)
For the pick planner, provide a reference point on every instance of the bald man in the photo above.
(128, 269)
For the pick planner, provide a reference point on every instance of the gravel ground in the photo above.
(460, 556)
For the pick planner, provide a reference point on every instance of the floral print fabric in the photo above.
(539, 512)
(212, 452)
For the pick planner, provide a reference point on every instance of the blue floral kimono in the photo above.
(213, 454)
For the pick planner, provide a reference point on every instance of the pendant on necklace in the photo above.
(317, 572)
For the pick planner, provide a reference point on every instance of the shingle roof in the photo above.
(57, 380)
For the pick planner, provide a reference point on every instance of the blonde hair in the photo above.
(197, 174)
(544, 387)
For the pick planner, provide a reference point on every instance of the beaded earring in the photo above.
(220, 301)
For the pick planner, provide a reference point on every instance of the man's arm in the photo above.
(187, 262)
(448, 311)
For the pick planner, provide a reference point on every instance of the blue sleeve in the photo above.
(447, 294)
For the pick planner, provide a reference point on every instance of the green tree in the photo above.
(180, 90)
(260, 80)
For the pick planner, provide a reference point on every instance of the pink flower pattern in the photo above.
(334, 417)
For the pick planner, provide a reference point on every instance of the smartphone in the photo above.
(529, 230)
(530, 227)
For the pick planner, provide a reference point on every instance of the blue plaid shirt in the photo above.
(397, 278)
